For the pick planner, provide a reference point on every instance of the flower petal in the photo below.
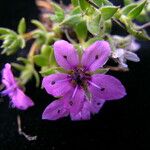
(74, 100)
(84, 114)
(96, 55)
(118, 53)
(110, 88)
(66, 55)
(55, 111)
(7, 76)
(96, 105)
(134, 46)
(132, 56)
(20, 100)
(57, 84)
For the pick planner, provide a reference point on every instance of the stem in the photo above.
(146, 25)
(32, 51)
(117, 69)
(28, 137)
(29, 35)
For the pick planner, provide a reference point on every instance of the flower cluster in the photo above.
(70, 48)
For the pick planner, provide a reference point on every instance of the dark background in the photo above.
(120, 124)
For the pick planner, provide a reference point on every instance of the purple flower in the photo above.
(81, 93)
(18, 98)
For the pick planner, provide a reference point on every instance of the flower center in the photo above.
(80, 77)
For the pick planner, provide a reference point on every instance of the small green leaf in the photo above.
(101, 71)
(24, 60)
(59, 13)
(108, 11)
(108, 26)
(73, 20)
(46, 50)
(93, 23)
(38, 24)
(40, 60)
(22, 43)
(26, 74)
(128, 8)
(48, 72)
(98, 2)
(22, 26)
(137, 10)
(84, 5)
(7, 31)
(75, 11)
(52, 59)
(18, 66)
(81, 30)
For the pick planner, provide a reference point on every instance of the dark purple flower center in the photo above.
(80, 77)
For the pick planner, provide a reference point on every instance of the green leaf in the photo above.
(18, 66)
(7, 31)
(137, 10)
(93, 23)
(48, 72)
(24, 60)
(74, 2)
(75, 11)
(128, 8)
(73, 20)
(26, 74)
(59, 13)
(107, 2)
(46, 50)
(22, 43)
(108, 11)
(40, 60)
(108, 26)
(84, 5)
(22, 26)
(81, 30)
(98, 2)
(101, 71)
(38, 24)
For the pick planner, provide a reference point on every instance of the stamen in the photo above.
(74, 92)
(95, 85)
(59, 81)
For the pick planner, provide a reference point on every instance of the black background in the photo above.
(120, 124)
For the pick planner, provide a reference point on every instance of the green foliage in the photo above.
(107, 12)
(137, 10)
(22, 26)
(59, 13)
(11, 41)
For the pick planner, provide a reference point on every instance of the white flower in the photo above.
(124, 50)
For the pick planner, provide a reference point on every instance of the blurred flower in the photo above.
(125, 48)
(18, 98)
(81, 91)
